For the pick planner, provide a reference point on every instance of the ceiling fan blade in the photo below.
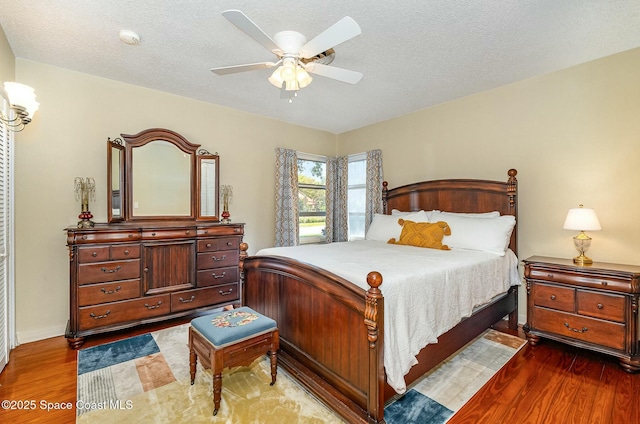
(226, 70)
(243, 22)
(343, 30)
(340, 74)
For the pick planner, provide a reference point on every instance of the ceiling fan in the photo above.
(296, 57)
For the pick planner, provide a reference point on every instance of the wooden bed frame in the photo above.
(331, 331)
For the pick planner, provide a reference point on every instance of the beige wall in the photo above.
(67, 138)
(573, 136)
(7, 60)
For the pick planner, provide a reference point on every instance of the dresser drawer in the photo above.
(102, 272)
(191, 299)
(126, 310)
(90, 254)
(221, 230)
(224, 243)
(94, 294)
(217, 276)
(581, 279)
(125, 251)
(173, 233)
(604, 333)
(220, 258)
(601, 305)
(104, 236)
(555, 297)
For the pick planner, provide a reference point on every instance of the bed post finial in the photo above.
(385, 189)
(512, 187)
(374, 279)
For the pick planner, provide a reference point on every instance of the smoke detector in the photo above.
(129, 37)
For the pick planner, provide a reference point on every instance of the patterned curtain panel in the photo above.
(337, 205)
(286, 197)
(374, 186)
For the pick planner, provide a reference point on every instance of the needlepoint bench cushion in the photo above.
(229, 327)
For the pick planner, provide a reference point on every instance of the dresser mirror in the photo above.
(115, 180)
(158, 175)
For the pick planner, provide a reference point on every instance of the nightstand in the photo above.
(592, 307)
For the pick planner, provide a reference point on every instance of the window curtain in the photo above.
(337, 204)
(374, 186)
(286, 197)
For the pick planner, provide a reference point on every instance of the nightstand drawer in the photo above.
(555, 297)
(591, 330)
(601, 305)
(582, 279)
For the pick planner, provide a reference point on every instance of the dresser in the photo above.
(123, 275)
(593, 307)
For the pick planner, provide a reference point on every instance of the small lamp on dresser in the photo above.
(582, 219)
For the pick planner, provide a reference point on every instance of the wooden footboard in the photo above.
(331, 332)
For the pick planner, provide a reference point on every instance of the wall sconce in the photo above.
(582, 219)
(85, 188)
(226, 193)
(23, 104)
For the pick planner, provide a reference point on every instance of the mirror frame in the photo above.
(115, 144)
(205, 155)
(130, 142)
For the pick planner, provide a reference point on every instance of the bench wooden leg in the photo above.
(216, 369)
(273, 355)
(193, 361)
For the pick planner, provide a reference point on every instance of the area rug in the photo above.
(145, 379)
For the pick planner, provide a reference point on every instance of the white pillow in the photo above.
(385, 227)
(396, 212)
(487, 234)
(493, 214)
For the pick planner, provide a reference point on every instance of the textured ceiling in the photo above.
(413, 54)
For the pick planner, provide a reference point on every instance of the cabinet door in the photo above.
(168, 266)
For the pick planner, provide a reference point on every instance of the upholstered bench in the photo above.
(231, 338)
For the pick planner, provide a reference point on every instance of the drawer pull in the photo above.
(575, 330)
(126, 252)
(130, 235)
(553, 297)
(94, 254)
(206, 231)
(110, 271)
(94, 316)
(224, 293)
(187, 232)
(187, 300)
(549, 275)
(604, 283)
(600, 306)
(219, 259)
(208, 245)
(214, 275)
(229, 243)
(153, 306)
(153, 234)
(105, 291)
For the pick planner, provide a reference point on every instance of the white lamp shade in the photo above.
(19, 94)
(582, 219)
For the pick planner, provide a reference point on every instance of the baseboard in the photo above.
(40, 334)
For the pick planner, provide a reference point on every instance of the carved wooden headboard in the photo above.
(458, 195)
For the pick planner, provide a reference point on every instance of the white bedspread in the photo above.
(427, 291)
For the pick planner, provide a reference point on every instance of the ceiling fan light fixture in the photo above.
(303, 77)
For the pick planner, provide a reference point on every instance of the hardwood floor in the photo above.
(550, 383)
(46, 371)
(555, 383)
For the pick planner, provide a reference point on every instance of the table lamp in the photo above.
(582, 219)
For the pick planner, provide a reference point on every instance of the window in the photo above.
(312, 203)
(357, 195)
